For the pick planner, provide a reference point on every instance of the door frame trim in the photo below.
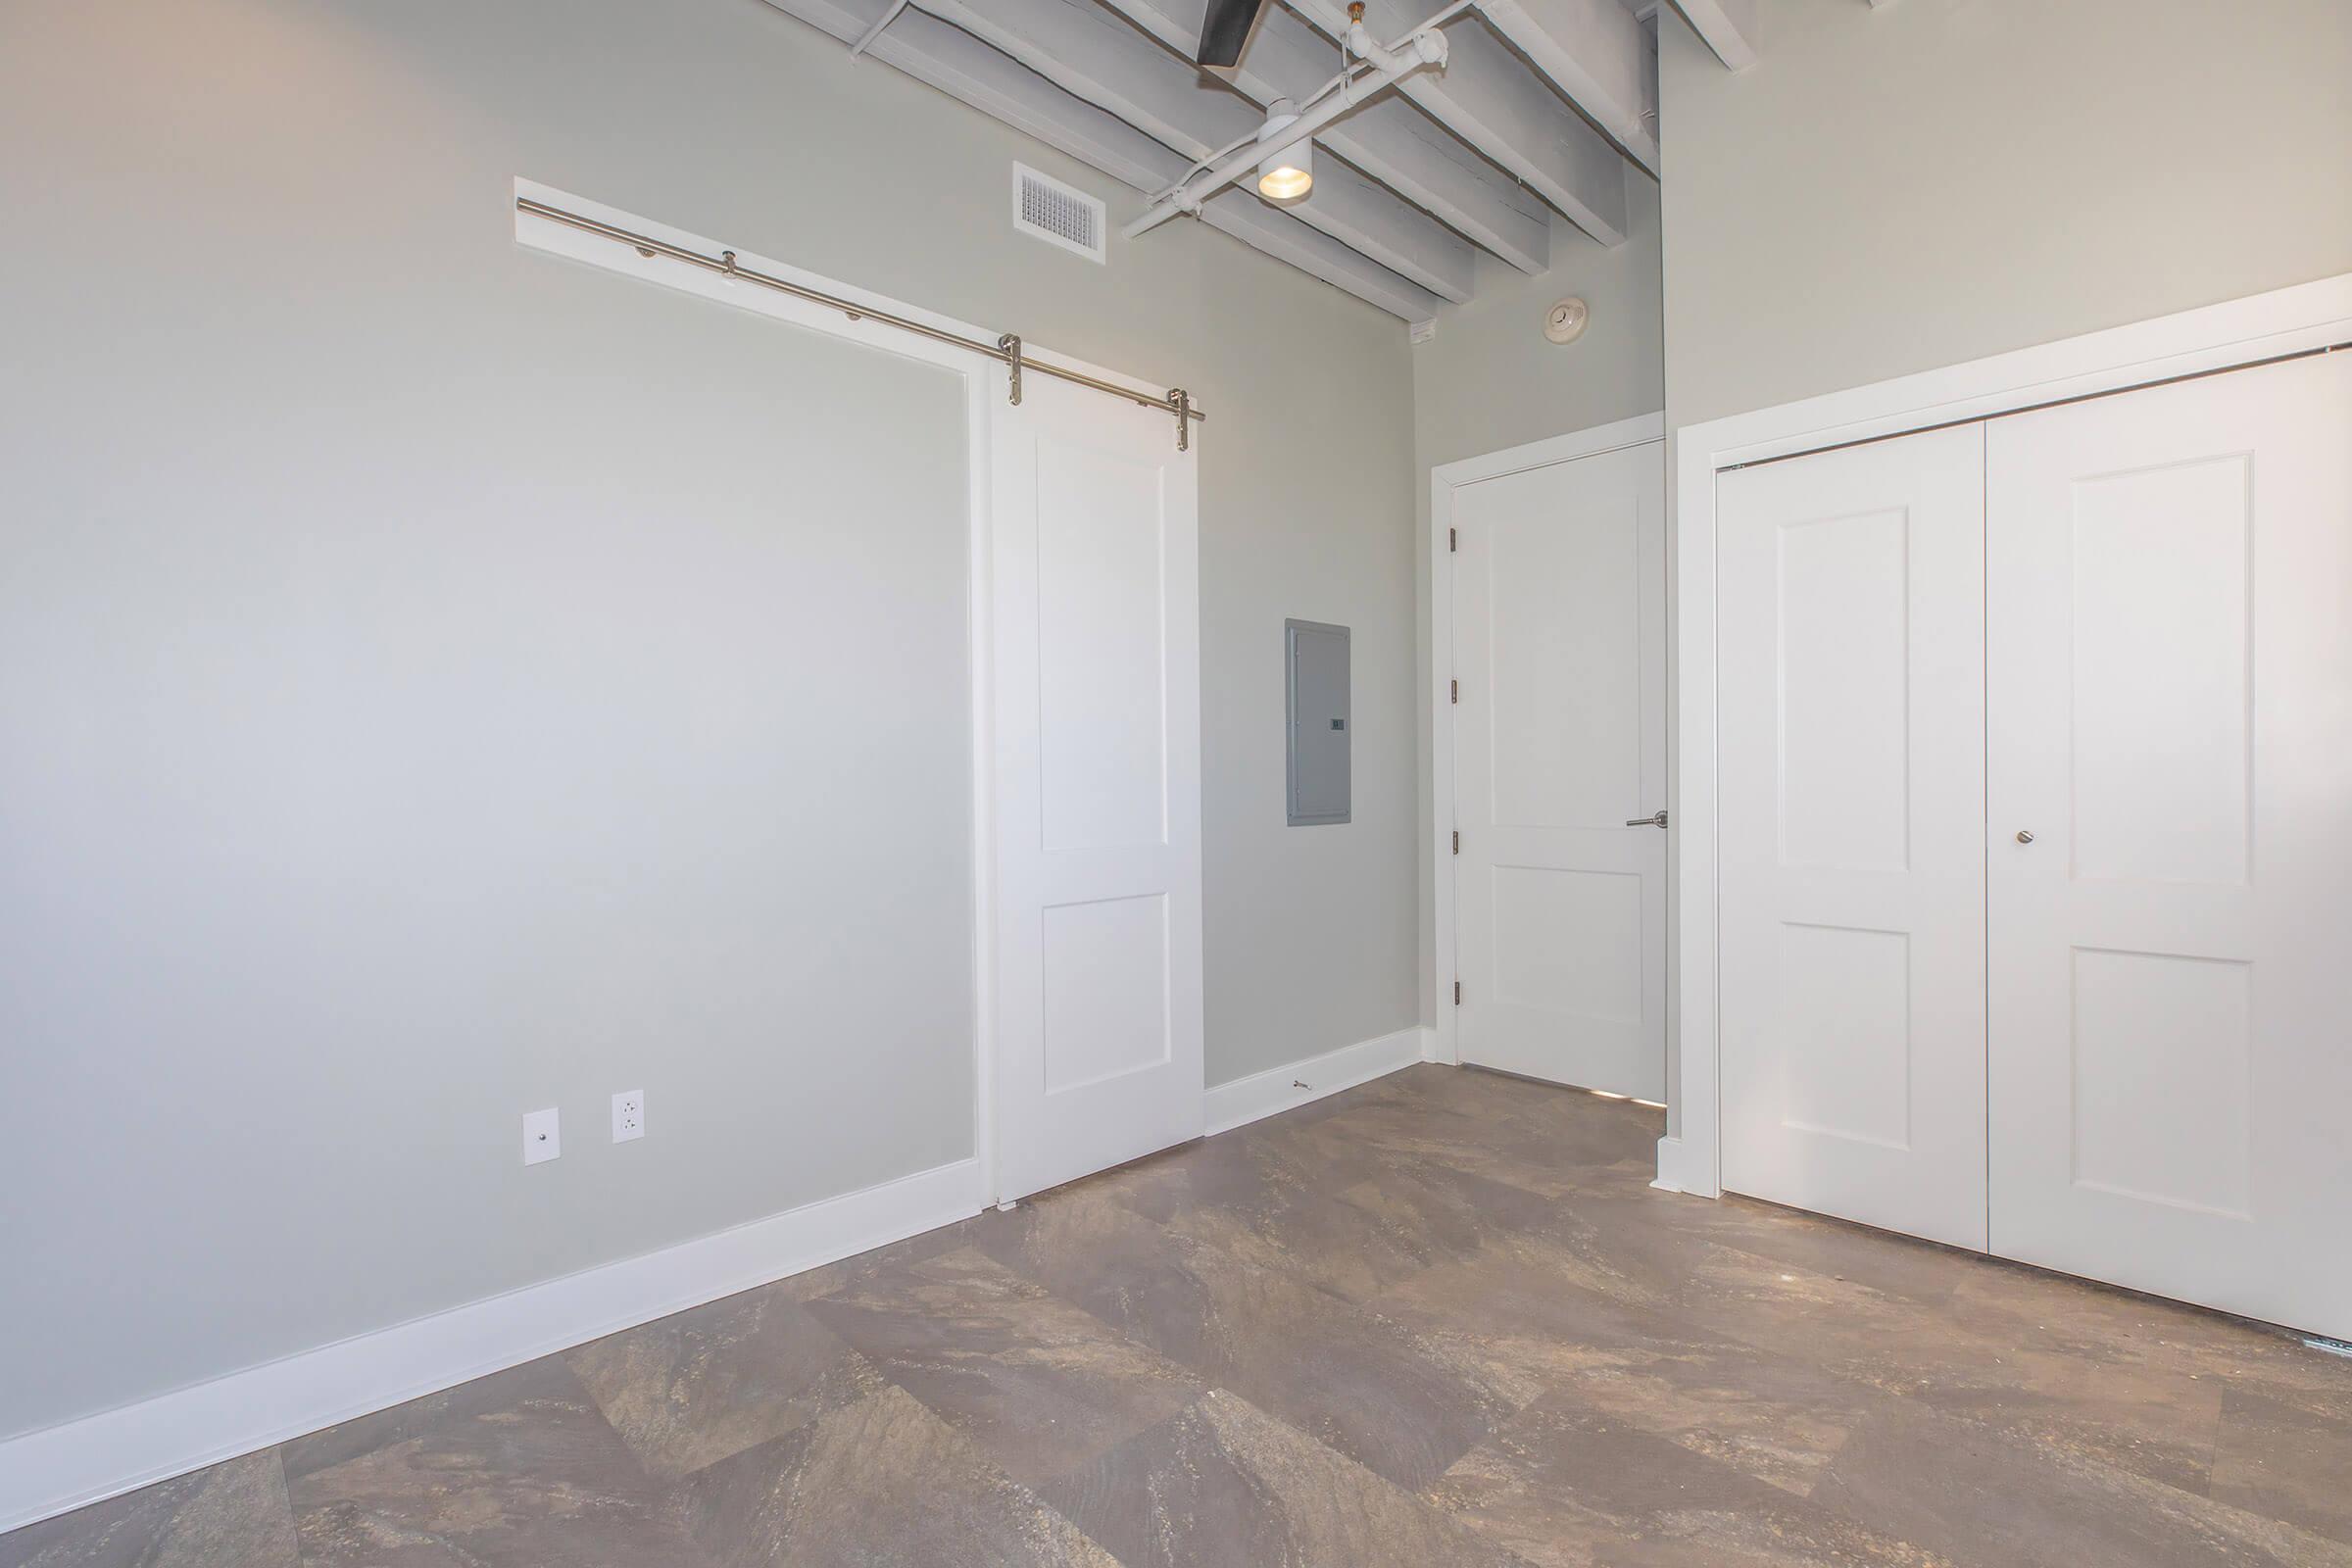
(2297, 319)
(983, 384)
(1445, 479)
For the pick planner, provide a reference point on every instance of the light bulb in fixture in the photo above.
(1287, 175)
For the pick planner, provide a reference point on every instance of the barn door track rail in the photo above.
(1005, 351)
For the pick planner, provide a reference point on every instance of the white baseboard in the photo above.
(1245, 1100)
(64, 1467)
(1675, 1173)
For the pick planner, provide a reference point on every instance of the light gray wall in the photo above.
(1889, 190)
(1491, 379)
(437, 681)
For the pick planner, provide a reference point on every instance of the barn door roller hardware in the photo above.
(1005, 351)
(1010, 343)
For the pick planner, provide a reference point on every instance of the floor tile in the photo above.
(1779, 1422)
(233, 1515)
(1566, 1483)
(1260, 1202)
(515, 1470)
(1535, 1127)
(2285, 1459)
(2097, 1324)
(883, 1483)
(688, 1390)
(1988, 1498)
(1512, 1312)
(1346, 1376)
(2157, 1419)
(1452, 1214)
(1224, 1483)
(1914, 1270)
(1038, 1384)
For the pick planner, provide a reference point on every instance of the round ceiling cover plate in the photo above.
(1565, 322)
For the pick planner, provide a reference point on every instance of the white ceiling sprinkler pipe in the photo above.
(1425, 45)
(1408, 52)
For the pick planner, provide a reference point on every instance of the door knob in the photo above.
(2025, 835)
(1659, 821)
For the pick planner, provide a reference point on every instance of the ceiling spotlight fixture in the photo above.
(1287, 175)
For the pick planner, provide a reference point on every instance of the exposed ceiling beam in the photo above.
(962, 67)
(1727, 26)
(1098, 56)
(1388, 138)
(1597, 54)
(1493, 100)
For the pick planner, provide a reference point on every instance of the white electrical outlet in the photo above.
(629, 1115)
(542, 1135)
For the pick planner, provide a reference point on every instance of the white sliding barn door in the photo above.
(1560, 646)
(1851, 957)
(1097, 723)
(2170, 575)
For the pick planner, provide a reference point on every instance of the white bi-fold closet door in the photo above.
(2170, 664)
(1851, 958)
(2036, 752)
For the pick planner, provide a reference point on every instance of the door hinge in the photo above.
(1458, 841)
(1457, 992)
(1457, 690)
(1453, 539)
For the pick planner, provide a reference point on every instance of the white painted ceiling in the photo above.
(1543, 107)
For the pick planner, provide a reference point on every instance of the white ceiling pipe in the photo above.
(1406, 52)
(890, 14)
(1425, 45)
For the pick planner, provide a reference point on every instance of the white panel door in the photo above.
(1098, 717)
(1852, 938)
(2170, 673)
(1559, 738)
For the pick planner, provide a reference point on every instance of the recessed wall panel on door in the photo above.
(2170, 782)
(1851, 936)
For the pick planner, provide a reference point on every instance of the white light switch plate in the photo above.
(542, 1135)
(629, 1115)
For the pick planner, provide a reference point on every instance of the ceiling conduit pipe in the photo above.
(865, 41)
(1425, 45)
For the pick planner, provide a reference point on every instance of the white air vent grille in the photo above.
(1055, 213)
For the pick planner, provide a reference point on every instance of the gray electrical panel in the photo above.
(1316, 669)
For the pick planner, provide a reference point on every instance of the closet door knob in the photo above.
(2025, 835)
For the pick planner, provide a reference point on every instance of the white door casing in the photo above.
(1850, 596)
(2170, 682)
(1559, 737)
(1098, 787)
